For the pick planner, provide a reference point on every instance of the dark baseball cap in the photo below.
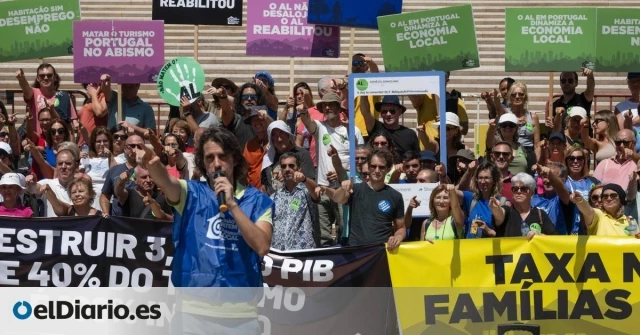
(428, 156)
(558, 135)
(632, 75)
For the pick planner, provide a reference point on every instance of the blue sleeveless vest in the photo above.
(209, 250)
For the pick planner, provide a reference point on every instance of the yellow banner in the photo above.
(564, 284)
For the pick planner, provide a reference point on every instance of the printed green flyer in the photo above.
(549, 39)
(441, 39)
(618, 40)
(37, 28)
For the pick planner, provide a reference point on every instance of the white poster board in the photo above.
(423, 191)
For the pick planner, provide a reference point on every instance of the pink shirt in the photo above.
(609, 171)
(20, 211)
(37, 103)
(315, 115)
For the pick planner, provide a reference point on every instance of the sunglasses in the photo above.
(519, 189)
(284, 166)
(623, 142)
(58, 131)
(595, 198)
(45, 75)
(361, 158)
(565, 81)
(509, 125)
(3, 134)
(518, 95)
(120, 137)
(134, 146)
(501, 153)
(612, 196)
(390, 111)
(358, 63)
(249, 97)
(596, 121)
(575, 158)
(365, 174)
(377, 167)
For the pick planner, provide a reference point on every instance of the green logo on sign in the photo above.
(362, 84)
(180, 77)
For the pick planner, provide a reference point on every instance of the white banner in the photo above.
(423, 193)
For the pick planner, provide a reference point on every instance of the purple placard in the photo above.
(280, 28)
(130, 52)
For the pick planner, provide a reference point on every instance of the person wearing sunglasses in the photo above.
(390, 109)
(233, 116)
(617, 170)
(46, 91)
(631, 104)
(265, 81)
(111, 206)
(144, 200)
(100, 155)
(605, 130)
(453, 139)
(528, 123)
(507, 131)
(555, 197)
(610, 221)
(295, 219)
(120, 136)
(578, 180)
(522, 219)
(573, 133)
(58, 133)
(569, 98)
(595, 197)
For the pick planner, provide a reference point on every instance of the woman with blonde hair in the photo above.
(528, 123)
(578, 180)
(605, 129)
(80, 192)
(447, 217)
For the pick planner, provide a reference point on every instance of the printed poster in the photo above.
(37, 28)
(200, 12)
(550, 39)
(130, 52)
(441, 39)
(350, 13)
(280, 28)
(618, 40)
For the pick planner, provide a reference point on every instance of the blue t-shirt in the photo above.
(481, 210)
(582, 186)
(49, 156)
(552, 207)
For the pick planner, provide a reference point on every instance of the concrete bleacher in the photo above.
(221, 51)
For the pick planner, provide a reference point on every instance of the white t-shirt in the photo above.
(61, 194)
(626, 105)
(120, 159)
(338, 137)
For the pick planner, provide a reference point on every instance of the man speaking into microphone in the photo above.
(217, 244)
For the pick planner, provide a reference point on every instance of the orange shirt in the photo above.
(89, 119)
(254, 151)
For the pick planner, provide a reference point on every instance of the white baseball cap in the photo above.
(577, 111)
(452, 120)
(13, 179)
(6, 147)
(508, 117)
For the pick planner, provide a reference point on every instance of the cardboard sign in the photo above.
(280, 28)
(202, 12)
(550, 39)
(618, 40)
(131, 52)
(180, 77)
(441, 39)
(37, 28)
(349, 13)
(423, 193)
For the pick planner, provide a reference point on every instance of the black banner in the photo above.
(201, 12)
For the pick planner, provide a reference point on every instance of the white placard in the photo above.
(423, 191)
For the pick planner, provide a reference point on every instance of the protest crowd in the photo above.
(577, 177)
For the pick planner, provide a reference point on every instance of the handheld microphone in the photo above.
(222, 202)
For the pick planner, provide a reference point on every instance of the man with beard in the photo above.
(295, 220)
(66, 166)
(377, 210)
(144, 201)
(569, 98)
(502, 155)
(410, 167)
(404, 139)
(233, 116)
(331, 132)
(281, 141)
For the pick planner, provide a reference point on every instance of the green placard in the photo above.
(182, 76)
(37, 28)
(618, 40)
(550, 39)
(441, 39)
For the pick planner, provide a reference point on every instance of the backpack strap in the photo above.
(426, 226)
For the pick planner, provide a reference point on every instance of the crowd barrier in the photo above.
(563, 284)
